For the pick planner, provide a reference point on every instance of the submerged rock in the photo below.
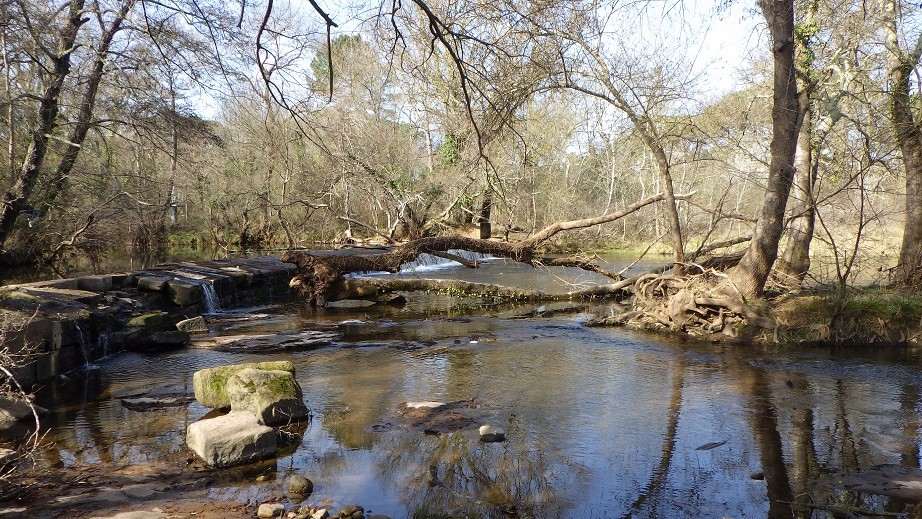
(151, 403)
(274, 396)
(195, 324)
(266, 342)
(232, 439)
(210, 385)
(440, 418)
(491, 434)
(300, 486)
(164, 340)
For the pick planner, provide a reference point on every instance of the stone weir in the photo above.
(66, 324)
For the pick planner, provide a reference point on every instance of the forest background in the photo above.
(140, 129)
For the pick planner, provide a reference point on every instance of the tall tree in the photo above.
(903, 63)
(749, 276)
(16, 198)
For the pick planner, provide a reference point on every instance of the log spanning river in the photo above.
(599, 422)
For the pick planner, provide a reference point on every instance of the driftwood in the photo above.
(320, 275)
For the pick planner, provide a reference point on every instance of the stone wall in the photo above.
(68, 323)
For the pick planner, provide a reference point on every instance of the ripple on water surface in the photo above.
(600, 423)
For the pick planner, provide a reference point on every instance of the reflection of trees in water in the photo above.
(827, 422)
(456, 473)
(88, 432)
(661, 473)
(764, 424)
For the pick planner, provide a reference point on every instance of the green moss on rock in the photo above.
(210, 384)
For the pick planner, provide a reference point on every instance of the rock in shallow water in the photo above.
(300, 486)
(149, 403)
(273, 396)
(210, 385)
(232, 439)
(195, 324)
(491, 434)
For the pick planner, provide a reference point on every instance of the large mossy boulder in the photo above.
(232, 439)
(210, 385)
(274, 396)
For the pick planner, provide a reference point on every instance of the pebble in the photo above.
(300, 485)
(268, 510)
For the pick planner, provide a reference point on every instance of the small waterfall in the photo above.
(102, 344)
(429, 262)
(84, 347)
(210, 298)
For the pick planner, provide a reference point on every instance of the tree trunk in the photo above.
(486, 228)
(795, 260)
(16, 198)
(909, 138)
(318, 273)
(10, 127)
(84, 120)
(749, 277)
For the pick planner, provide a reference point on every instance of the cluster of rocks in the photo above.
(270, 510)
(64, 324)
(259, 395)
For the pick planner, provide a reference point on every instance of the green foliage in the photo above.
(450, 150)
(344, 49)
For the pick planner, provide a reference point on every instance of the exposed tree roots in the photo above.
(695, 304)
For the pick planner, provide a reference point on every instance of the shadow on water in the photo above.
(600, 422)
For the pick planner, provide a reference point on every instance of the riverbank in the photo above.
(809, 317)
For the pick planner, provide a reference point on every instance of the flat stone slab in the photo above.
(60, 295)
(886, 480)
(147, 403)
(232, 439)
(440, 419)
(265, 342)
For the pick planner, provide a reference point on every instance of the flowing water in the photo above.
(600, 422)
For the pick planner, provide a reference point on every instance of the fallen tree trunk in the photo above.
(381, 290)
(318, 272)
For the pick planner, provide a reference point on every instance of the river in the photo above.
(600, 422)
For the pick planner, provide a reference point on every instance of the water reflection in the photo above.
(600, 422)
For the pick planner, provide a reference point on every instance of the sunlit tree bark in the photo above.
(749, 277)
